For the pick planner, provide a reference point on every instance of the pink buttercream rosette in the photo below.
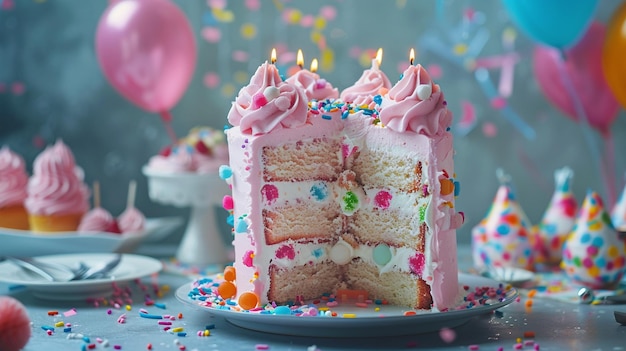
(372, 82)
(314, 87)
(268, 104)
(416, 104)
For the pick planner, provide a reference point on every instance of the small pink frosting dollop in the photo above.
(288, 109)
(372, 82)
(13, 178)
(57, 187)
(314, 87)
(131, 220)
(416, 104)
(96, 220)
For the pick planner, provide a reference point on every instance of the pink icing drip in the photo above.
(288, 110)
(56, 186)
(402, 110)
(13, 178)
(314, 87)
(367, 86)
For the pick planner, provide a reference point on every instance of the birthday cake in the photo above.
(201, 151)
(336, 198)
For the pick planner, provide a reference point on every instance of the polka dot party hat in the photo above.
(502, 237)
(558, 220)
(593, 254)
(618, 215)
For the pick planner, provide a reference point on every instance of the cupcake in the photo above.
(57, 196)
(13, 182)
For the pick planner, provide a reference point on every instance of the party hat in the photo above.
(501, 238)
(558, 220)
(618, 215)
(593, 254)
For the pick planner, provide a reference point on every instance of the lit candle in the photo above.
(314, 65)
(300, 59)
(273, 56)
(378, 58)
(411, 56)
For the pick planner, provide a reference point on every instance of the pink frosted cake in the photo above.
(333, 198)
(202, 151)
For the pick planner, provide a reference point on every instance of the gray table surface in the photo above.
(556, 325)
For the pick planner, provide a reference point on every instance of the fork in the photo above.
(42, 268)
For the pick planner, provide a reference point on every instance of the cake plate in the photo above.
(202, 244)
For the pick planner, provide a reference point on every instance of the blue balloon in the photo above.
(556, 23)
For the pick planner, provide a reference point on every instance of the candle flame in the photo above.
(379, 56)
(412, 56)
(314, 65)
(273, 56)
(300, 58)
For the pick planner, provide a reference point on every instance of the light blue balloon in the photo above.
(556, 23)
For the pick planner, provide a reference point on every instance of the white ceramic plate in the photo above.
(510, 275)
(131, 267)
(26, 243)
(388, 321)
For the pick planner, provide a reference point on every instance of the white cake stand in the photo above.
(202, 244)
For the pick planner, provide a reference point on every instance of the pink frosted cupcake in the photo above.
(13, 182)
(57, 196)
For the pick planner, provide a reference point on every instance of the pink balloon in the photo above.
(147, 51)
(583, 65)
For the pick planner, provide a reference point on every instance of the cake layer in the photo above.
(398, 288)
(393, 227)
(307, 282)
(313, 159)
(377, 168)
(301, 221)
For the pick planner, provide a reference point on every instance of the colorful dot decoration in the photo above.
(502, 238)
(593, 254)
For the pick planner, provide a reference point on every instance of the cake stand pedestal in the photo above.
(202, 244)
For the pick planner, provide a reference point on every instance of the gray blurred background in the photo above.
(51, 86)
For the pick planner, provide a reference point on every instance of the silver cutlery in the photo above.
(47, 270)
(101, 270)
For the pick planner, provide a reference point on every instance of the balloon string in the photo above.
(584, 123)
(166, 117)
